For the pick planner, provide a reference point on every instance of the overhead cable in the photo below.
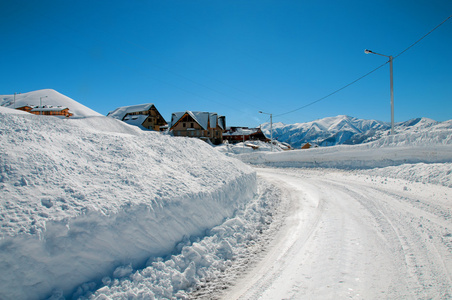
(367, 74)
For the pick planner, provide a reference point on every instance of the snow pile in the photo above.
(200, 262)
(252, 147)
(82, 197)
(46, 97)
(440, 174)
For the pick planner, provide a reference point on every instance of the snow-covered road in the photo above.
(349, 235)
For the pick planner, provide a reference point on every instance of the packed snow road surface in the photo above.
(349, 235)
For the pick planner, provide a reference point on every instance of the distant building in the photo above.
(240, 134)
(203, 125)
(309, 145)
(47, 110)
(306, 146)
(142, 115)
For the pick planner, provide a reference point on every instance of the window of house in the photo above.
(183, 125)
(192, 125)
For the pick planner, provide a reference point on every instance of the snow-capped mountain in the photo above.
(47, 97)
(339, 130)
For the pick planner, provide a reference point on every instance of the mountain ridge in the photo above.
(339, 130)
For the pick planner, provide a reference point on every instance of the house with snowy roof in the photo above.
(142, 115)
(47, 110)
(203, 125)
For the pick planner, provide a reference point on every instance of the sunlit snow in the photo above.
(94, 208)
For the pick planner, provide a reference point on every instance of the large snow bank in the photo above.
(210, 263)
(80, 197)
(425, 146)
(423, 154)
(440, 174)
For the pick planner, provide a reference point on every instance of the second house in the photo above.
(203, 125)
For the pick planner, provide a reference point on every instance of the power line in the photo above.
(331, 94)
(367, 74)
(423, 36)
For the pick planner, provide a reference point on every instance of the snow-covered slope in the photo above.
(339, 130)
(432, 144)
(47, 97)
(80, 197)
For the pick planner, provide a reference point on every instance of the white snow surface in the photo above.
(432, 145)
(90, 198)
(348, 235)
(47, 97)
(93, 208)
(380, 229)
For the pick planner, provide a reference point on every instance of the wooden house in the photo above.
(203, 125)
(26, 108)
(47, 110)
(142, 115)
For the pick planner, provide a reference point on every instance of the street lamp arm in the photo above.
(367, 51)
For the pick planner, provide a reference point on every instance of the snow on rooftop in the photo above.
(135, 120)
(241, 131)
(120, 112)
(201, 117)
(49, 108)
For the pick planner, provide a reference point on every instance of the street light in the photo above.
(271, 128)
(391, 85)
(40, 104)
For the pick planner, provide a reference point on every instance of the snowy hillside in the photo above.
(46, 97)
(339, 130)
(416, 151)
(87, 198)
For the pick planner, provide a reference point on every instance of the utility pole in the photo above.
(391, 84)
(271, 128)
(40, 104)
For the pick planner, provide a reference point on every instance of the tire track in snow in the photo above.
(362, 241)
(426, 259)
(297, 219)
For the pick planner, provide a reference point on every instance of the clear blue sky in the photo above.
(233, 57)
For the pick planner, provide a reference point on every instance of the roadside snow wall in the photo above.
(81, 197)
(430, 146)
